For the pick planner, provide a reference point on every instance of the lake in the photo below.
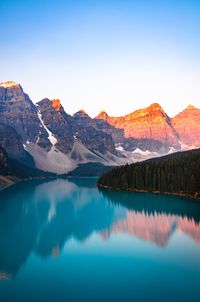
(64, 240)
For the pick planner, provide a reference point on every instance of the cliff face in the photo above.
(67, 128)
(117, 122)
(150, 123)
(12, 143)
(58, 122)
(187, 124)
(10, 140)
(92, 135)
(149, 126)
(18, 111)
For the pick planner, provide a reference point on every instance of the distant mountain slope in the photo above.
(84, 120)
(12, 143)
(148, 124)
(152, 129)
(187, 124)
(90, 169)
(178, 173)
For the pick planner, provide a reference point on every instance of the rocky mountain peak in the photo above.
(52, 105)
(82, 111)
(102, 115)
(9, 84)
(18, 111)
(186, 123)
(81, 114)
(151, 123)
(155, 106)
(56, 104)
(65, 127)
(190, 106)
(12, 94)
(189, 111)
(153, 110)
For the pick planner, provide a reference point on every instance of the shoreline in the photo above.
(6, 182)
(16, 180)
(181, 195)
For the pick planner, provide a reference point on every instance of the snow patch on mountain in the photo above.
(185, 147)
(119, 147)
(133, 157)
(145, 153)
(51, 136)
(171, 150)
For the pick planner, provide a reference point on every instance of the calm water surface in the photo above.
(67, 241)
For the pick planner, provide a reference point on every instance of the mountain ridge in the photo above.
(50, 135)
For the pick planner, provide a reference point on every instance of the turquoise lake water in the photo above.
(64, 240)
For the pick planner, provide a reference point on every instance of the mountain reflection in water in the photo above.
(41, 217)
(155, 217)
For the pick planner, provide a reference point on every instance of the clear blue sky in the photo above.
(114, 55)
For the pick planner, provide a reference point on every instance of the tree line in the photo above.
(175, 173)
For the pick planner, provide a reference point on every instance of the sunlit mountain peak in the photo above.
(190, 106)
(56, 104)
(9, 84)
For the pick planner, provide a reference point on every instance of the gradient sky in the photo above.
(115, 55)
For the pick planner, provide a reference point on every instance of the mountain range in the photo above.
(45, 137)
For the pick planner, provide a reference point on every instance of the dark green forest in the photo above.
(177, 173)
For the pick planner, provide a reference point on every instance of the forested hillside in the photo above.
(178, 173)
